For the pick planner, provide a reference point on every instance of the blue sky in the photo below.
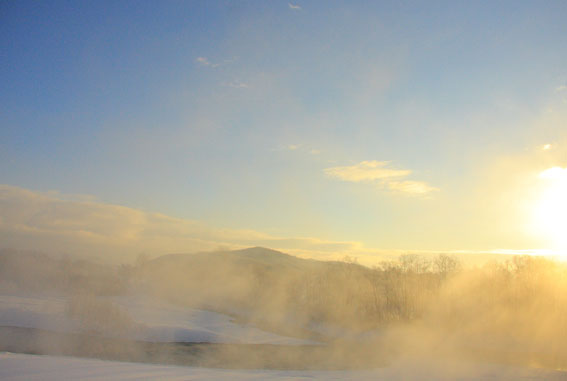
(259, 116)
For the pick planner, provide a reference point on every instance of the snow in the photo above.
(36, 312)
(155, 320)
(32, 367)
(159, 321)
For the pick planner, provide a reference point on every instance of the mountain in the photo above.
(254, 256)
(223, 279)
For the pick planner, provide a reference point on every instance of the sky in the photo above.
(320, 128)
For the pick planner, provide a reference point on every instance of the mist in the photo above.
(357, 190)
(414, 310)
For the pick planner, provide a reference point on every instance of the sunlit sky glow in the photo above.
(550, 217)
(320, 128)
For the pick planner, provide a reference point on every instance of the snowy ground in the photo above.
(46, 368)
(163, 322)
(157, 321)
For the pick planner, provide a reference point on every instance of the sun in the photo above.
(550, 211)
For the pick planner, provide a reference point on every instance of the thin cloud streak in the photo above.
(238, 85)
(365, 171)
(411, 187)
(204, 61)
(378, 172)
(293, 147)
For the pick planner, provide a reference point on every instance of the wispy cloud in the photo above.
(204, 61)
(410, 186)
(294, 7)
(561, 88)
(293, 147)
(58, 223)
(555, 173)
(301, 148)
(380, 173)
(366, 171)
(237, 85)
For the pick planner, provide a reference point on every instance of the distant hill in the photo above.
(254, 256)
(231, 279)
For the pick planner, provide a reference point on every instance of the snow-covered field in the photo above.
(156, 320)
(161, 322)
(46, 368)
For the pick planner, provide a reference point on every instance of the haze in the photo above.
(365, 138)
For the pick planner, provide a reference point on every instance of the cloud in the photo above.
(547, 147)
(301, 147)
(410, 186)
(294, 7)
(203, 61)
(561, 88)
(238, 85)
(54, 222)
(378, 172)
(555, 173)
(365, 171)
(293, 147)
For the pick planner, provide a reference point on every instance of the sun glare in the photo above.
(550, 212)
